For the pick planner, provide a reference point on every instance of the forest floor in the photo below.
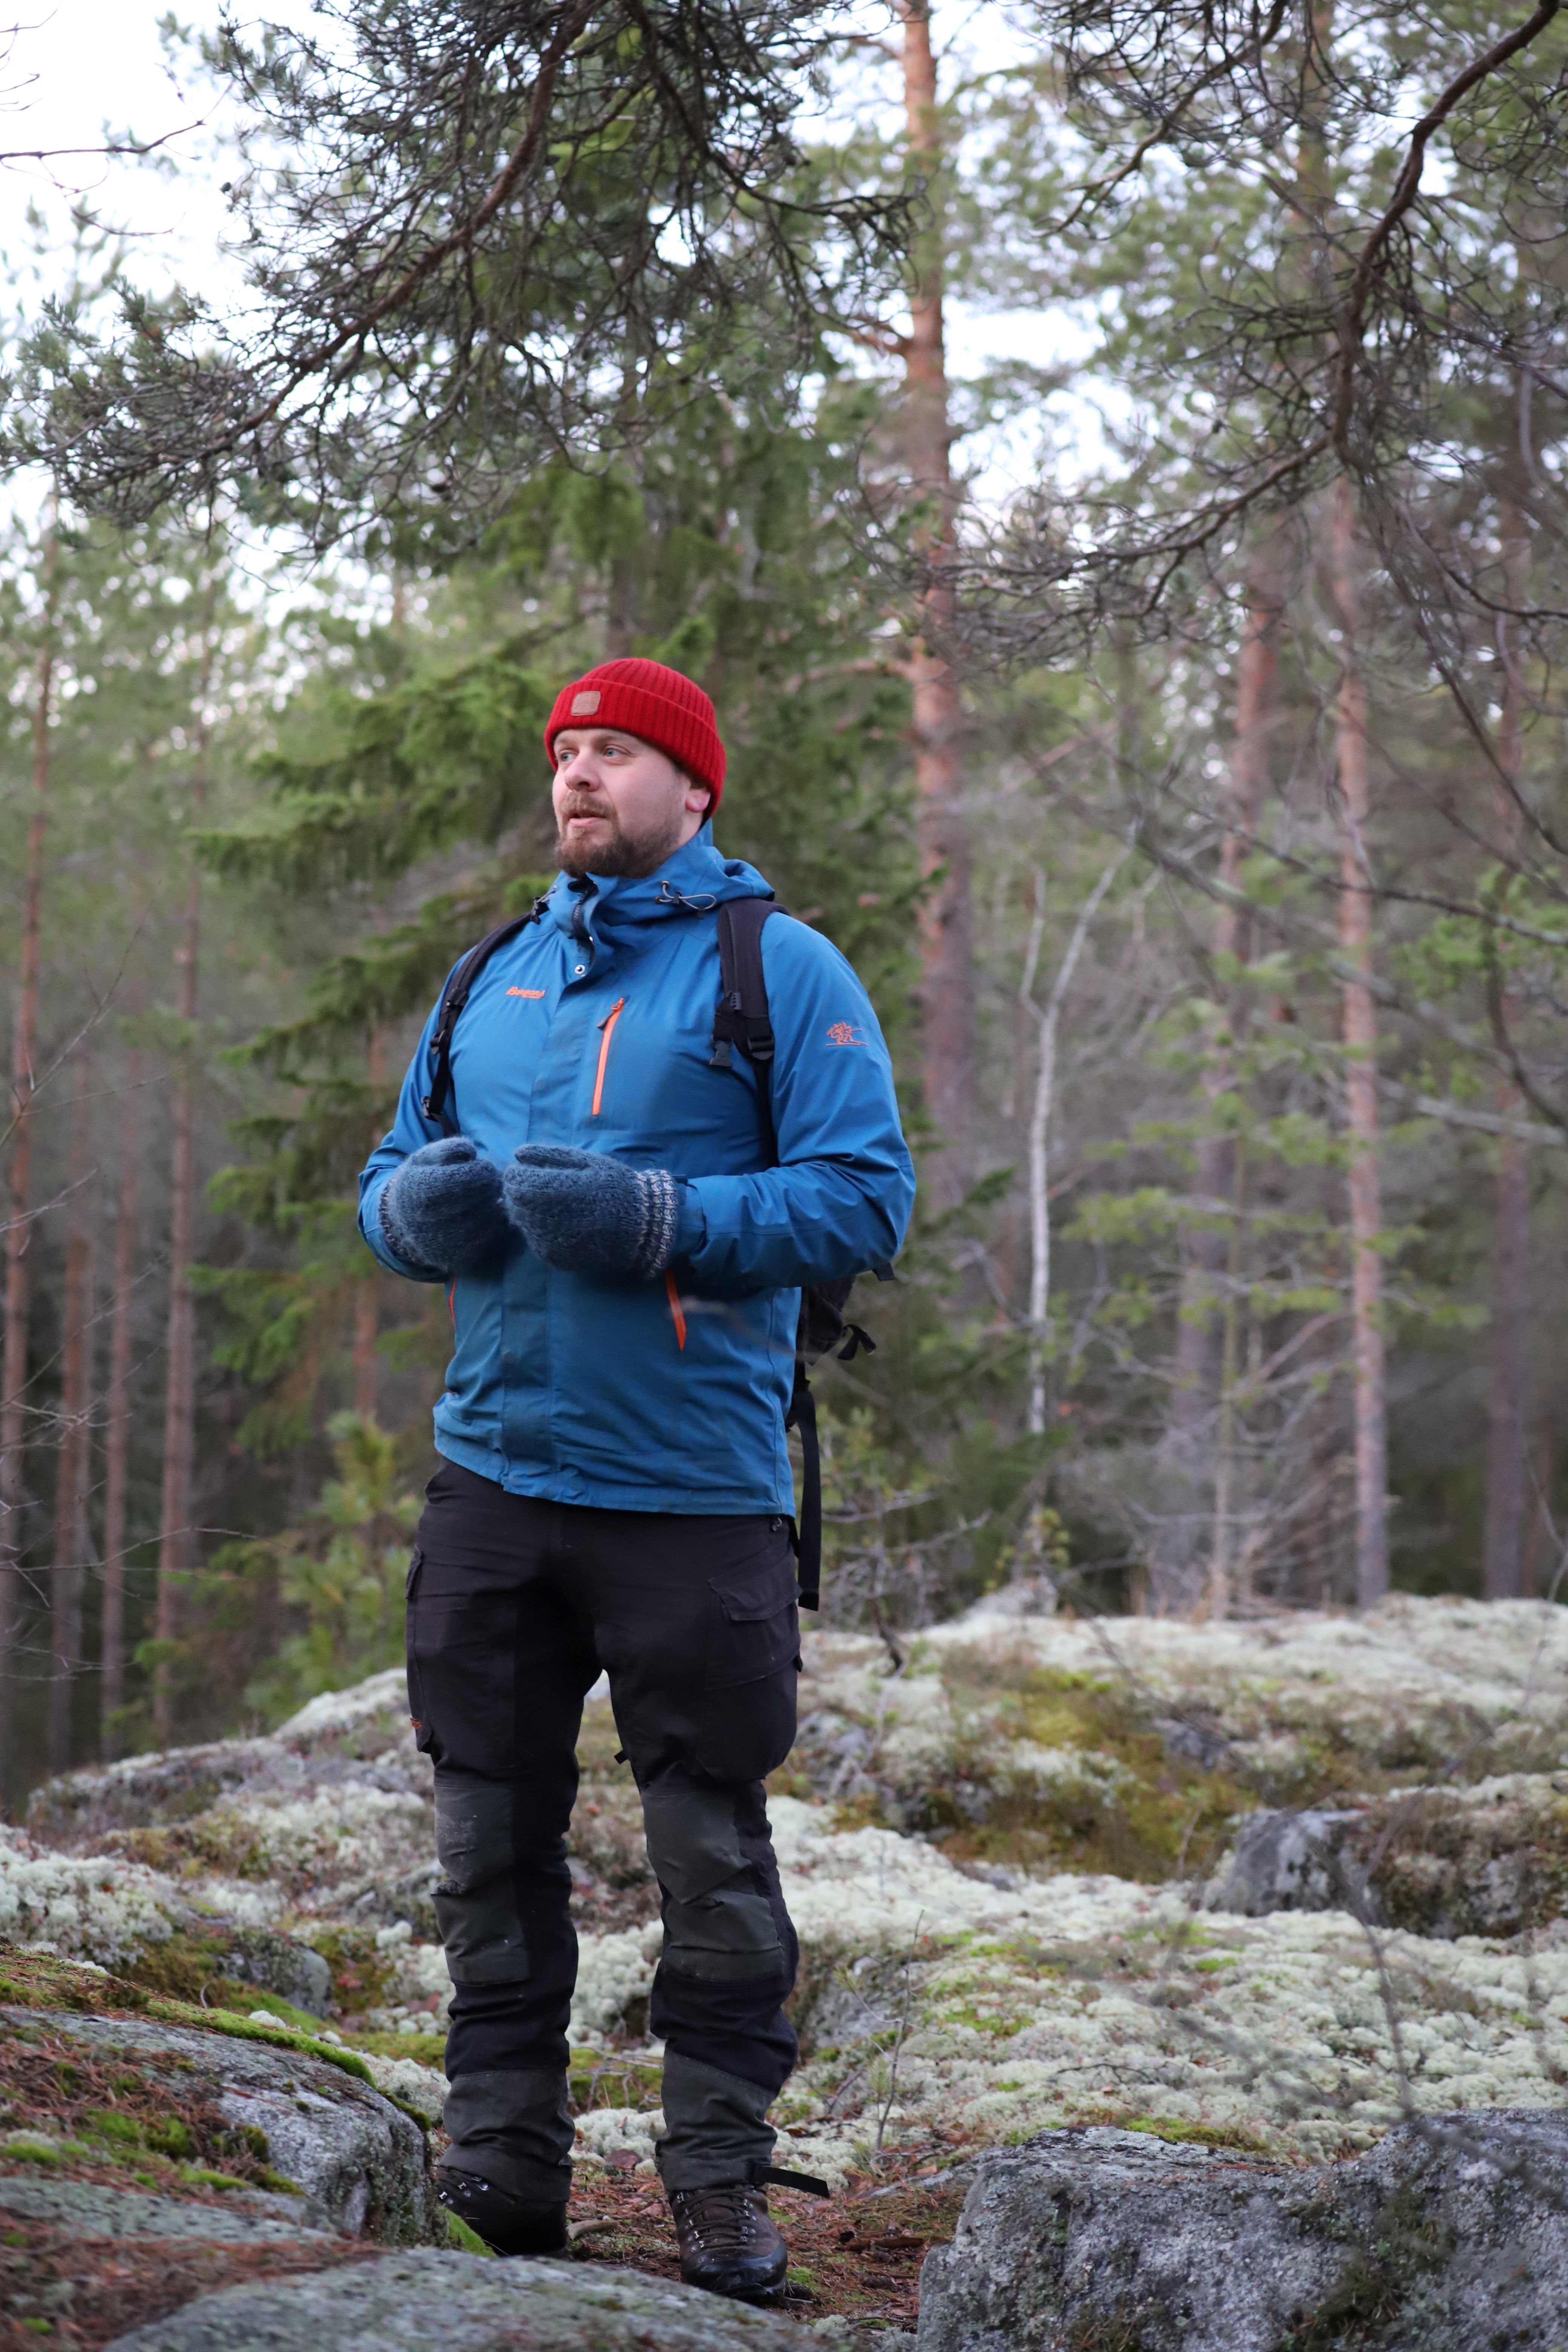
(1008, 1846)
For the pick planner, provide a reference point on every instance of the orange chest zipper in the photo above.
(608, 1030)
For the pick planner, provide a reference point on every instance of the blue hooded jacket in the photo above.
(593, 1027)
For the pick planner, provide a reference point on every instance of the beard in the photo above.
(630, 855)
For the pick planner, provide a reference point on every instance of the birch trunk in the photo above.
(74, 1462)
(1358, 1018)
(117, 1416)
(18, 1228)
(1507, 1436)
(947, 965)
(176, 1547)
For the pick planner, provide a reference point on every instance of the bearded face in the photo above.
(621, 807)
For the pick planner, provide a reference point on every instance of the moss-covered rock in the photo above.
(479, 2306)
(1448, 2237)
(1490, 1860)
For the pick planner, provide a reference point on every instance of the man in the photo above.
(626, 1227)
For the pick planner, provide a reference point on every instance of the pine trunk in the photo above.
(74, 1462)
(947, 969)
(1508, 1434)
(18, 1228)
(176, 1540)
(1359, 1016)
(117, 1415)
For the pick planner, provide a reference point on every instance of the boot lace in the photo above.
(722, 2220)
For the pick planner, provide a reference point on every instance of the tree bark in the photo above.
(176, 1544)
(18, 1228)
(947, 962)
(74, 1462)
(117, 1415)
(1508, 1434)
(1359, 1031)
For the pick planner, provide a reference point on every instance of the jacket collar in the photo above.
(689, 882)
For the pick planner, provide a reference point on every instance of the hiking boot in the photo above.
(727, 2242)
(510, 2225)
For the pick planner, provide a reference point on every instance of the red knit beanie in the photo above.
(659, 705)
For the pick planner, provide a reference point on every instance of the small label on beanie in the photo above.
(582, 704)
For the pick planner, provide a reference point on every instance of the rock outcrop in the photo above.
(1021, 1994)
(1486, 1860)
(469, 2306)
(1451, 2236)
(150, 2153)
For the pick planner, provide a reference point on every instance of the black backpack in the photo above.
(740, 1021)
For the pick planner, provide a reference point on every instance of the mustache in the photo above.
(588, 808)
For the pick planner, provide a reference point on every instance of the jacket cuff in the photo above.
(690, 1224)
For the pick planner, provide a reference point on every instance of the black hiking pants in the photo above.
(514, 1605)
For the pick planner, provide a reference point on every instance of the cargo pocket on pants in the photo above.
(423, 1735)
(747, 1724)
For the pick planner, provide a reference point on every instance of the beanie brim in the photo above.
(659, 706)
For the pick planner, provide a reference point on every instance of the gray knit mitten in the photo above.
(584, 1213)
(443, 1208)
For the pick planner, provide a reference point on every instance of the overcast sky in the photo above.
(74, 70)
(84, 65)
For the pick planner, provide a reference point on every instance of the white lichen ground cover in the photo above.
(1414, 1689)
(1068, 1998)
(89, 1908)
(940, 2007)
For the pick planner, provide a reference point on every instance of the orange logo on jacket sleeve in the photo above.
(844, 1032)
(525, 992)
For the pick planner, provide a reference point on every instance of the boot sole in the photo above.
(735, 2287)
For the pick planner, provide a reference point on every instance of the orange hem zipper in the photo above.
(608, 1026)
(675, 1309)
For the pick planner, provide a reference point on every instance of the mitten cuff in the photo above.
(659, 1197)
(395, 1239)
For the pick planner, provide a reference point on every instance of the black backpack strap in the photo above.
(459, 988)
(741, 1020)
(741, 1016)
(802, 1415)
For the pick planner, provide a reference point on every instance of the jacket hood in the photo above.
(694, 879)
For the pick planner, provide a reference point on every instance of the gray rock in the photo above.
(1451, 2236)
(1488, 1861)
(86, 2209)
(79, 1808)
(362, 1736)
(1294, 1862)
(274, 1963)
(467, 2304)
(384, 1902)
(362, 2161)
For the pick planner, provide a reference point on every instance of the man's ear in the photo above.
(699, 799)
